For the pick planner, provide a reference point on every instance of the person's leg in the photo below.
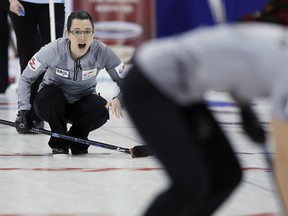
(27, 34)
(86, 115)
(178, 147)
(163, 127)
(223, 167)
(44, 21)
(50, 105)
(43, 25)
(4, 42)
(28, 43)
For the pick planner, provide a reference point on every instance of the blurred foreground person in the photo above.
(172, 75)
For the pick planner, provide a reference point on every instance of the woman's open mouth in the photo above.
(82, 45)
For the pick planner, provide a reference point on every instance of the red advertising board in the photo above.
(121, 24)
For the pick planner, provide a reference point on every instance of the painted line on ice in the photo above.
(264, 214)
(74, 169)
(77, 169)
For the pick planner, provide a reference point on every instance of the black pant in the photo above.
(4, 42)
(33, 31)
(191, 146)
(85, 115)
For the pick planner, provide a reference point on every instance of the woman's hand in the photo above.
(16, 7)
(115, 106)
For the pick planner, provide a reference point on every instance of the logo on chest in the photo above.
(62, 73)
(89, 74)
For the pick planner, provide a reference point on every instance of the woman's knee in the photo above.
(47, 100)
(99, 117)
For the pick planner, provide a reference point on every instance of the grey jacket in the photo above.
(75, 78)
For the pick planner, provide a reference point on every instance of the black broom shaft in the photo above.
(70, 138)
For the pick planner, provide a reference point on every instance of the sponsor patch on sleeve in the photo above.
(34, 64)
(121, 70)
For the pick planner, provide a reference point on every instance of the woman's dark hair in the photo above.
(82, 15)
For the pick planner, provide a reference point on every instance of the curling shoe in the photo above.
(79, 151)
(60, 151)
